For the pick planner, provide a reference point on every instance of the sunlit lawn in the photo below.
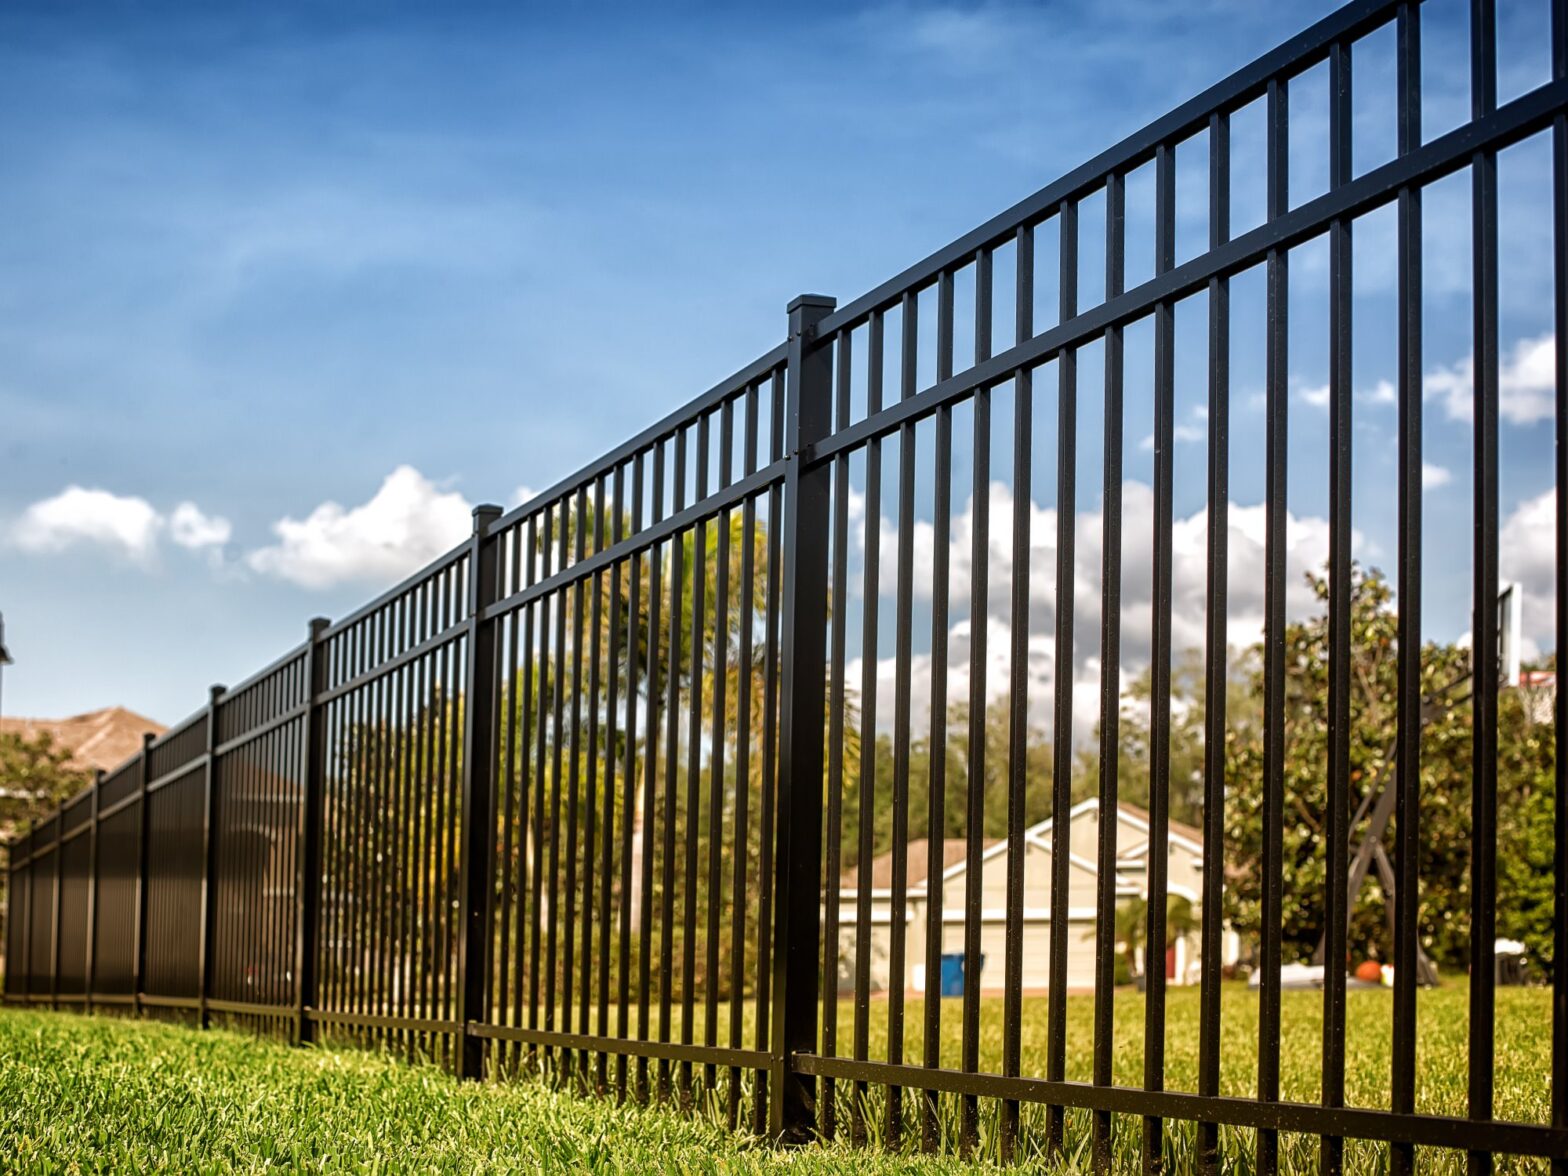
(1523, 1048)
(101, 1094)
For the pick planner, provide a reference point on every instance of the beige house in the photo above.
(1132, 846)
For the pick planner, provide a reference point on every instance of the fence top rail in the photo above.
(1295, 56)
(753, 373)
(177, 730)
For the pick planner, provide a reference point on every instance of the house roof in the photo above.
(97, 739)
(953, 851)
(1191, 832)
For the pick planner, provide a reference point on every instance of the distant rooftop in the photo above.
(98, 739)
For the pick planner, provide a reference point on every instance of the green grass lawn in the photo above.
(107, 1095)
(1523, 1043)
(110, 1095)
(1522, 1073)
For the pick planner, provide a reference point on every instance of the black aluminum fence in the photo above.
(581, 792)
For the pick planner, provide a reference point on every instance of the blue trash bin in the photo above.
(953, 973)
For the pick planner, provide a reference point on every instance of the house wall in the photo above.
(1184, 876)
(880, 942)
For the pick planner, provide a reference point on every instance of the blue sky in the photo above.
(403, 258)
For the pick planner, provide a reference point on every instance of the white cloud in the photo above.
(1434, 475)
(406, 524)
(1306, 541)
(1527, 556)
(1182, 434)
(523, 494)
(125, 523)
(190, 527)
(1317, 396)
(1383, 392)
(1188, 432)
(1526, 383)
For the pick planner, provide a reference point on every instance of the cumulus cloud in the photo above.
(1434, 475)
(1182, 432)
(1383, 392)
(1316, 396)
(1527, 556)
(190, 527)
(126, 524)
(1306, 541)
(405, 524)
(1526, 383)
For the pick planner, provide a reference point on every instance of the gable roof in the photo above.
(954, 850)
(1178, 828)
(96, 739)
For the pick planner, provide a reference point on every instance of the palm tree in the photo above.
(1132, 921)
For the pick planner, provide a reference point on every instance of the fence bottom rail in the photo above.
(1527, 1139)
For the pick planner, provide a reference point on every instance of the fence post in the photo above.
(802, 649)
(92, 894)
(307, 889)
(478, 868)
(209, 857)
(139, 940)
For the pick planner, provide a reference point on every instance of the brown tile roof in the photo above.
(953, 850)
(98, 739)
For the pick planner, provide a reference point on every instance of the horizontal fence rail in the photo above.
(664, 782)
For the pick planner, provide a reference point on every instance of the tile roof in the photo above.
(97, 739)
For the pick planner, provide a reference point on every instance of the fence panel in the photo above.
(690, 779)
(171, 962)
(637, 635)
(114, 945)
(40, 917)
(257, 784)
(17, 936)
(388, 919)
(75, 873)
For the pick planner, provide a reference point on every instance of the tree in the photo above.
(1526, 790)
(35, 776)
(1132, 921)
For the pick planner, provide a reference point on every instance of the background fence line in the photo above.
(445, 824)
